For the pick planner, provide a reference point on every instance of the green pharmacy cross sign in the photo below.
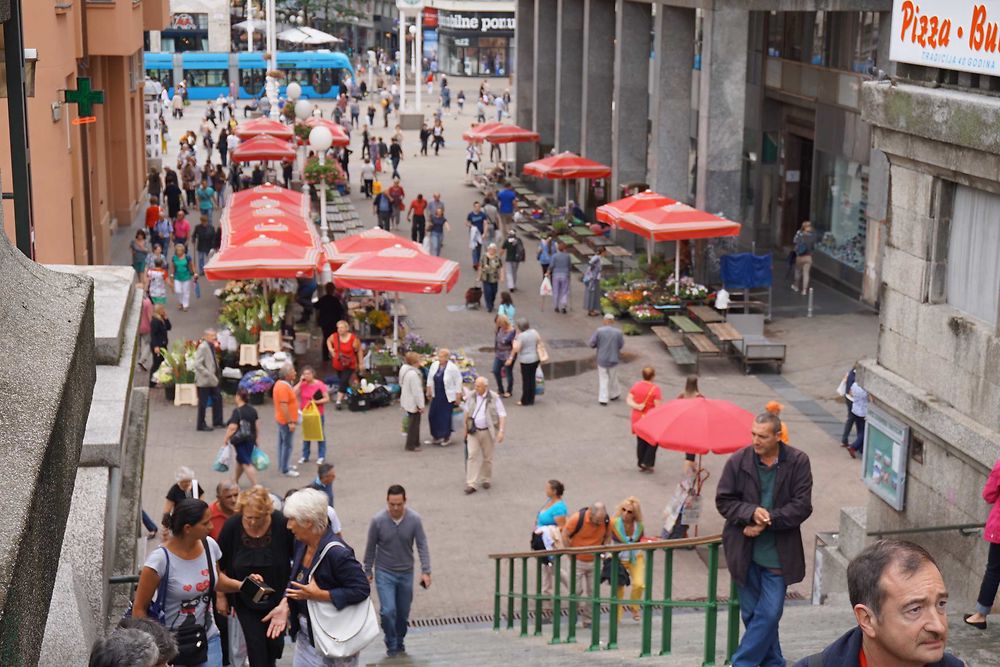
(84, 97)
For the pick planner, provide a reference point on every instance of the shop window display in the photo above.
(841, 218)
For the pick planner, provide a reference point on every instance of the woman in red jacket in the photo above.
(991, 533)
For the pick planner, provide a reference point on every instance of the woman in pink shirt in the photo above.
(991, 533)
(643, 397)
(309, 389)
(182, 228)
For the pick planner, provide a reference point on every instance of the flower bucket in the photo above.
(169, 391)
(270, 341)
(257, 398)
(186, 394)
(248, 355)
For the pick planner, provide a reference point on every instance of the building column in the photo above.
(722, 109)
(569, 75)
(630, 116)
(674, 36)
(546, 24)
(524, 77)
(598, 79)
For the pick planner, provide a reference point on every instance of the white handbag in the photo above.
(339, 633)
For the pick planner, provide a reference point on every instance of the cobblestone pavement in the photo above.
(566, 435)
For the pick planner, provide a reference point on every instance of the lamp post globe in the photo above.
(302, 107)
(293, 91)
(320, 139)
(412, 29)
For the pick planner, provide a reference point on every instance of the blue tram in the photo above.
(208, 75)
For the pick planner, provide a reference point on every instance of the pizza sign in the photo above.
(185, 22)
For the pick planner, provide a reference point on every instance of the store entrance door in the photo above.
(797, 199)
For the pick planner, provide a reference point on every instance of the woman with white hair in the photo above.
(186, 486)
(490, 273)
(328, 575)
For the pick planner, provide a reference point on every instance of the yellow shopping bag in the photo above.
(312, 424)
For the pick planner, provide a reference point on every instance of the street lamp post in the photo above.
(418, 58)
(320, 140)
(402, 60)
(271, 84)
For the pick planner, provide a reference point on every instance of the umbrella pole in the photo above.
(395, 324)
(677, 268)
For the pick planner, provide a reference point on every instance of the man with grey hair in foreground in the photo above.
(765, 494)
(485, 418)
(125, 648)
(586, 528)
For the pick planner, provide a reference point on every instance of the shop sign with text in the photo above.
(477, 21)
(947, 34)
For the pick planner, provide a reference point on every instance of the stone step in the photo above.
(805, 629)
(114, 287)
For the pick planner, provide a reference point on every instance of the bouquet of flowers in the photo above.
(271, 311)
(689, 289)
(180, 358)
(241, 320)
(239, 291)
(378, 319)
(414, 343)
(623, 300)
(164, 375)
(257, 382)
(328, 172)
(645, 313)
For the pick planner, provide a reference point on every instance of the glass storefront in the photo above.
(475, 43)
(841, 208)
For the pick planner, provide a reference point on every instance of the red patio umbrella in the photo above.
(642, 201)
(269, 196)
(272, 223)
(697, 426)
(472, 134)
(565, 166)
(263, 126)
(501, 133)
(343, 250)
(340, 137)
(263, 257)
(262, 147)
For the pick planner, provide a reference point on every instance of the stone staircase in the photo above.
(805, 629)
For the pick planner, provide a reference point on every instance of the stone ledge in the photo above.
(113, 292)
(102, 442)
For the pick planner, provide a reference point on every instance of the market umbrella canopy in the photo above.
(307, 35)
(263, 257)
(259, 25)
(340, 137)
(473, 133)
(676, 222)
(566, 166)
(343, 250)
(612, 212)
(697, 426)
(273, 223)
(259, 126)
(262, 147)
(269, 196)
(398, 269)
(500, 133)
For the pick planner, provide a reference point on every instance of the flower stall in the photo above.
(650, 295)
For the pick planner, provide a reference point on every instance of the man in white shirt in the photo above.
(485, 418)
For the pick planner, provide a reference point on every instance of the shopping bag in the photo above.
(539, 381)
(457, 420)
(237, 642)
(260, 459)
(312, 423)
(223, 459)
(842, 387)
(546, 288)
(543, 351)
(426, 244)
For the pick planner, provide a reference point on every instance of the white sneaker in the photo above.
(795, 288)
(292, 473)
(320, 461)
(303, 460)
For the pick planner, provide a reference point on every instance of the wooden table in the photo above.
(685, 324)
(600, 241)
(724, 331)
(567, 239)
(706, 314)
(582, 231)
(618, 251)
(583, 249)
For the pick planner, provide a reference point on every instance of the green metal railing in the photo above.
(520, 600)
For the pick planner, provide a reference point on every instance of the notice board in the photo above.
(887, 443)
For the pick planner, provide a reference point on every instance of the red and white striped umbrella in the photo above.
(263, 126)
(614, 211)
(262, 147)
(398, 269)
(345, 249)
(263, 257)
(566, 166)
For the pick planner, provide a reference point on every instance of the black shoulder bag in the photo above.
(244, 431)
(192, 639)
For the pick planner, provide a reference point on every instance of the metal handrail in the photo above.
(523, 597)
(964, 528)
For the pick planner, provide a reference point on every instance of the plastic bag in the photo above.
(237, 642)
(457, 420)
(539, 381)
(546, 287)
(260, 459)
(223, 459)
(312, 423)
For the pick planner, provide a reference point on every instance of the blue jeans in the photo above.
(202, 260)
(214, 652)
(284, 447)
(320, 447)
(476, 254)
(395, 593)
(436, 240)
(489, 294)
(762, 601)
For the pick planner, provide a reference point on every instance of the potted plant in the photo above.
(164, 377)
(257, 383)
(180, 358)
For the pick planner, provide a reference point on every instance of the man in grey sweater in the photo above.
(206, 378)
(609, 341)
(389, 553)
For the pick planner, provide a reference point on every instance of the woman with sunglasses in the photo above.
(626, 528)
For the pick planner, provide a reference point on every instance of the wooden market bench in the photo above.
(675, 346)
(701, 346)
(685, 324)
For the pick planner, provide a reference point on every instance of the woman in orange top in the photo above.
(416, 216)
(643, 397)
(345, 356)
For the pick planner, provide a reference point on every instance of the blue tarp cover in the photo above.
(746, 271)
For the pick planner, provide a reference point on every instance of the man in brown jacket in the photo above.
(765, 493)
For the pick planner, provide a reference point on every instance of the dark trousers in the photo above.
(395, 167)
(261, 651)
(859, 441)
(645, 453)
(366, 187)
(413, 431)
(528, 383)
(385, 220)
(326, 337)
(852, 421)
(221, 622)
(216, 395)
(490, 294)
(501, 369)
(157, 360)
(418, 229)
(991, 580)
(423, 146)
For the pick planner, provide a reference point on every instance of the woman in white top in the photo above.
(444, 389)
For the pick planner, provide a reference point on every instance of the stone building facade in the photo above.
(751, 109)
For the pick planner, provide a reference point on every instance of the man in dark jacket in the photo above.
(765, 493)
(899, 600)
(329, 310)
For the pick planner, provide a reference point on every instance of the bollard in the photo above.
(809, 310)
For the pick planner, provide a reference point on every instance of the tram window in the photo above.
(301, 75)
(206, 78)
(323, 80)
(164, 76)
(252, 80)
